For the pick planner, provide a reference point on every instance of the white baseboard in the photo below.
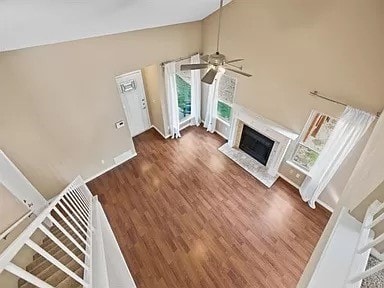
(289, 181)
(185, 125)
(321, 203)
(325, 205)
(158, 131)
(221, 134)
(110, 168)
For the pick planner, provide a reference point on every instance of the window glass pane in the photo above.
(184, 97)
(224, 111)
(227, 88)
(305, 157)
(318, 130)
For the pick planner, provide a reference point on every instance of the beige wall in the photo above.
(369, 172)
(155, 92)
(293, 47)
(59, 103)
(11, 209)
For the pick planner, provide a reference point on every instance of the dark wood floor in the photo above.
(185, 215)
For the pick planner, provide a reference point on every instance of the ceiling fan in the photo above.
(216, 61)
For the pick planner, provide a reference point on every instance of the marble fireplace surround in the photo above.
(282, 136)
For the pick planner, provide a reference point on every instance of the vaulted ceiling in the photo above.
(26, 23)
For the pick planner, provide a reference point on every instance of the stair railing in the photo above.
(75, 201)
(373, 216)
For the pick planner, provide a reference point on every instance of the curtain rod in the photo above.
(316, 93)
(179, 59)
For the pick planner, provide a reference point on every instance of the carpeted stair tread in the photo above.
(53, 248)
(49, 243)
(56, 252)
(71, 283)
(56, 231)
(56, 276)
(376, 280)
(48, 272)
(62, 257)
(62, 223)
(43, 267)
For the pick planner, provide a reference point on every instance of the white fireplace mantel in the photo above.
(281, 135)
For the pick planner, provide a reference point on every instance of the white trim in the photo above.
(377, 254)
(118, 271)
(225, 102)
(286, 179)
(158, 131)
(108, 169)
(185, 124)
(221, 134)
(325, 205)
(298, 167)
(185, 120)
(224, 122)
(16, 270)
(304, 131)
(321, 203)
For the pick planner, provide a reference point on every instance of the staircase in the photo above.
(343, 263)
(46, 271)
(78, 248)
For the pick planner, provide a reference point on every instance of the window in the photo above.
(226, 95)
(313, 139)
(183, 84)
(224, 111)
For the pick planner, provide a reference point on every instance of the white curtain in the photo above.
(195, 92)
(171, 99)
(211, 114)
(348, 131)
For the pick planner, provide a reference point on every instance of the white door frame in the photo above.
(117, 78)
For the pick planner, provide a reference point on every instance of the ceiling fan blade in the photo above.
(210, 76)
(235, 60)
(239, 72)
(193, 66)
(205, 58)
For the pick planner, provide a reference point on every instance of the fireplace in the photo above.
(256, 145)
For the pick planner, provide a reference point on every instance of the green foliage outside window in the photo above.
(184, 97)
(224, 111)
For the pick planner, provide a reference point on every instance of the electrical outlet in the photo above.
(119, 124)
(297, 175)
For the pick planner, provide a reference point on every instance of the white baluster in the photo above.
(75, 213)
(55, 262)
(62, 246)
(79, 207)
(70, 226)
(21, 273)
(72, 218)
(65, 232)
(78, 211)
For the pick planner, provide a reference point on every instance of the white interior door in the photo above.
(131, 88)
